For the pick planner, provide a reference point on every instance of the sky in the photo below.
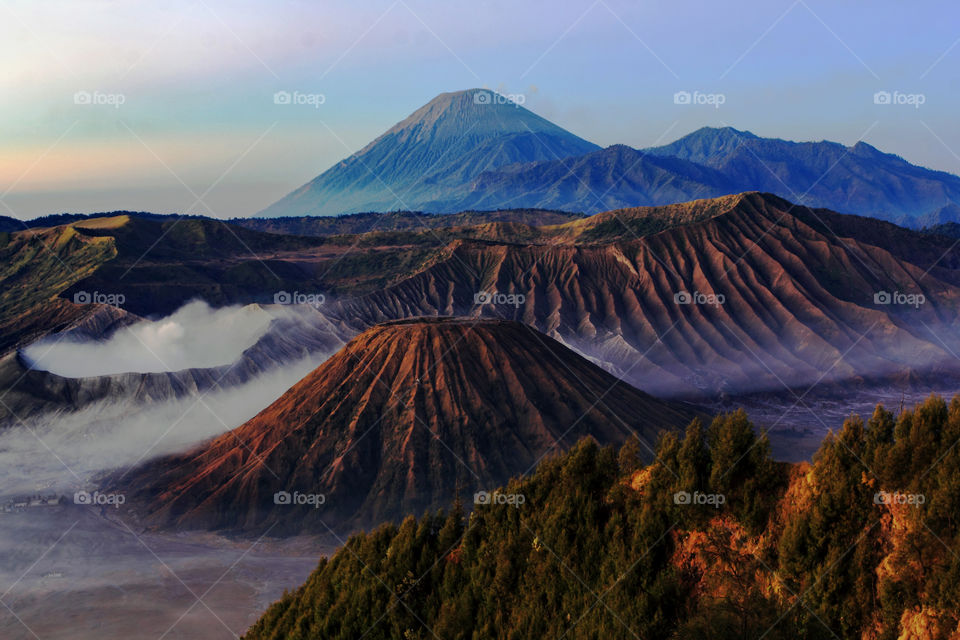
(170, 106)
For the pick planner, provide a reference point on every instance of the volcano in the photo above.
(439, 148)
(406, 416)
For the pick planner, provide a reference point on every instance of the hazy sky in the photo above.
(181, 113)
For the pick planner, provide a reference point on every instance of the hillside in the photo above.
(797, 289)
(713, 540)
(35, 266)
(405, 417)
(798, 285)
(858, 179)
(356, 223)
(610, 178)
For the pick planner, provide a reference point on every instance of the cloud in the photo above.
(65, 450)
(196, 336)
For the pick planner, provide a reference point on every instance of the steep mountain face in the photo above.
(407, 415)
(35, 266)
(798, 285)
(713, 162)
(444, 144)
(610, 178)
(858, 179)
(477, 150)
(786, 295)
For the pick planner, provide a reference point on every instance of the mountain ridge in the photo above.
(457, 152)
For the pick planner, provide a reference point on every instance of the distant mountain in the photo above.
(859, 179)
(10, 224)
(610, 178)
(949, 214)
(948, 229)
(714, 162)
(400, 420)
(442, 145)
(353, 223)
(57, 219)
(476, 150)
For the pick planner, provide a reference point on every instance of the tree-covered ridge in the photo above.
(712, 540)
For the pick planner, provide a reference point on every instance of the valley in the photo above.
(477, 376)
(62, 563)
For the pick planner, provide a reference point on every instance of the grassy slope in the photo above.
(35, 267)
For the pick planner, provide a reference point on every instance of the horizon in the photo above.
(256, 214)
(671, 290)
(180, 116)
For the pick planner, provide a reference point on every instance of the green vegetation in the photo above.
(35, 267)
(863, 542)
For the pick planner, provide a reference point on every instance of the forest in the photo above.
(706, 537)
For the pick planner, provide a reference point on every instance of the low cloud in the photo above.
(195, 336)
(65, 450)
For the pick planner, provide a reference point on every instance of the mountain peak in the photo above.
(436, 150)
(721, 133)
(705, 144)
(866, 150)
(472, 113)
(370, 428)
